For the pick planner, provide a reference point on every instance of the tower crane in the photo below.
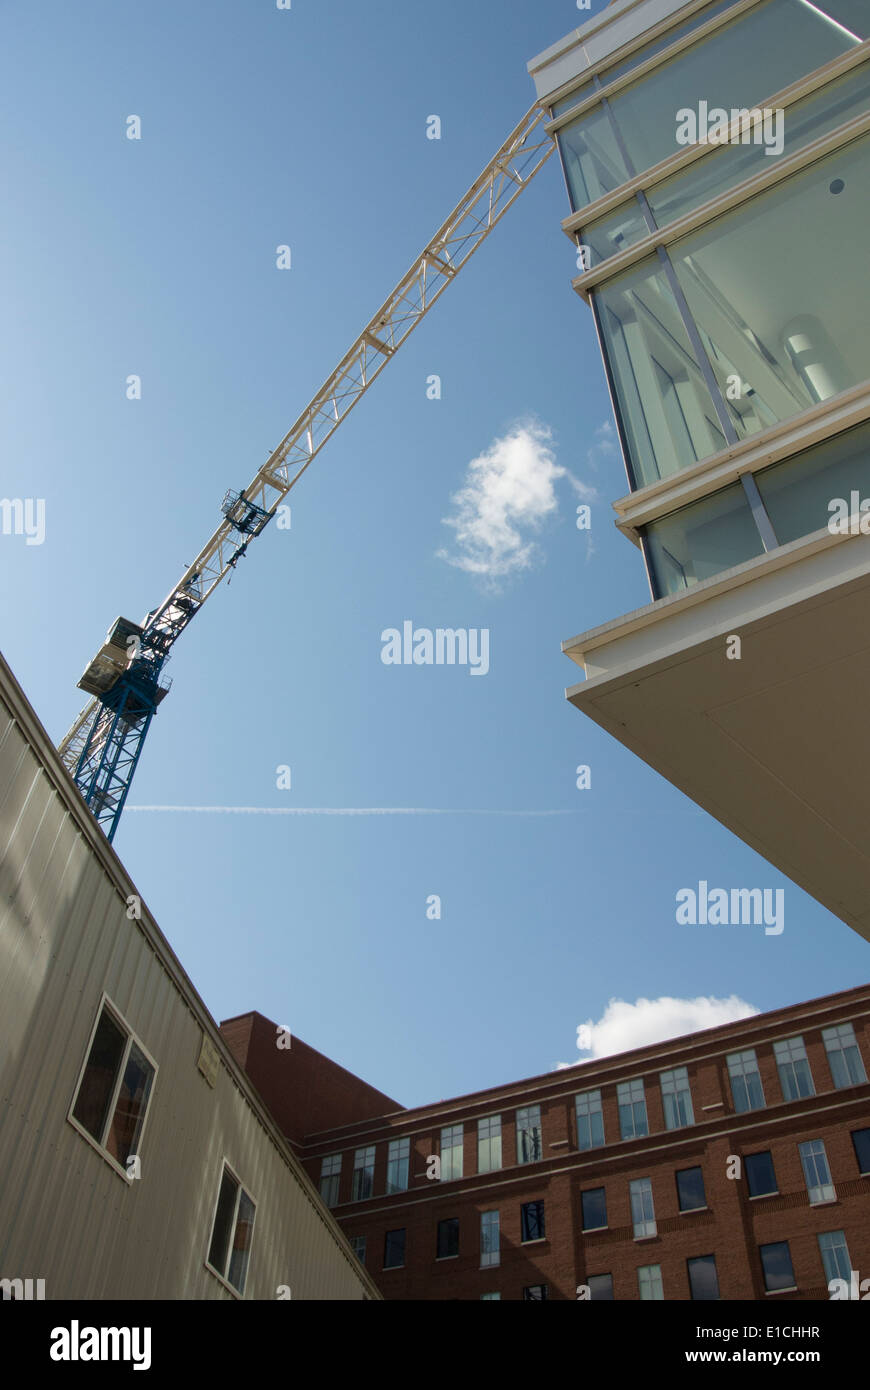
(125, 679)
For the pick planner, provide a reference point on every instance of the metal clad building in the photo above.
(69, 1214)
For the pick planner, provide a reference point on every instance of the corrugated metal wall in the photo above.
(66, 1215)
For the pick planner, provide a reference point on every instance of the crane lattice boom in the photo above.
(103, 746)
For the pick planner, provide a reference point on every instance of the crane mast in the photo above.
(126, 677)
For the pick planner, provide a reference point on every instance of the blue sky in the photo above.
(157, 257)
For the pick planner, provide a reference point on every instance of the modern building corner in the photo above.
(717, 160)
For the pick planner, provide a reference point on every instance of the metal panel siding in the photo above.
(65, 1214)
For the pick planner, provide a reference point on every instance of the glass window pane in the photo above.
(746, 1087)
(760, 1174)
(612, 234)
(489, 1144)
(703, 1280)
(791, 339)
(649, 1282)
(398, 1158)
(666, 411)
(776, 1264)
(101, 1072)
(752, 58)
(241, 1253)
(844, 1056)
(394, 1249)
(593, 163)
(835, 1255)
(701, 540)
(448, 1238)
(861, 1145)
(594, 1209)
(724, 166)
(529, 1137)
(223, 1221)
(600, 1288)
(590, 1120)
(798, 491)
(363, 1174)
(690, 1189)
(489, 1238)
(130, 1107)
(677, 1098)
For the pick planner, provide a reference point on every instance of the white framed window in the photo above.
(529, 1137)
(649, 1282)
(844, 1056)
(816, 1172)
(113, 1090)
(590, 1120)
(451, 1153)
(330, 1178)
(490, 1298)
(642, 1212)
(398, 1159)
(363, 1174)
(677, 1098)
(746, 1089)
(835, 1255)
(489, 1144)
(232, 1231)
(632, 1109)
(794, 1069)
(490, 1239)
(358, 1246)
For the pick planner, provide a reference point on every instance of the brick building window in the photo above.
(358, 1246)
(600, 1288)
(447, 1246)
(649, 1283)
(690, 1189)
(642, 1212)
(794, 1069)
(490, 1297)
(114, 1089)
(632, 1109)
(363, 1174)
(861, 1145)
(590, 1120)
(489, 1144)
(760, 1174)
(703, 1279)
(232, 1232)
(844, 1058)
(398, 1158)
(533, 1227)
(529, 1140)
(835, 1256)
(677, 1098)
(593, 1203)
(490, 1239)
(816, 1172)
(776, 1265)
(451, 1153)
(536, 1293)
(746, 1089)
(330, 1177)
(394, 1249)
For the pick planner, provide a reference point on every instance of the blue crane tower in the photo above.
(125, 679)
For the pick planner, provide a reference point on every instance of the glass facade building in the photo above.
(699, 168)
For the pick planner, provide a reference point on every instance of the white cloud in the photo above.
(508, 494)
(625, 1026)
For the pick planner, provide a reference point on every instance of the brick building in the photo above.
(733, 1163)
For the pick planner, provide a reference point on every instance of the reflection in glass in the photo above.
(701, 540)
(667, 412)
